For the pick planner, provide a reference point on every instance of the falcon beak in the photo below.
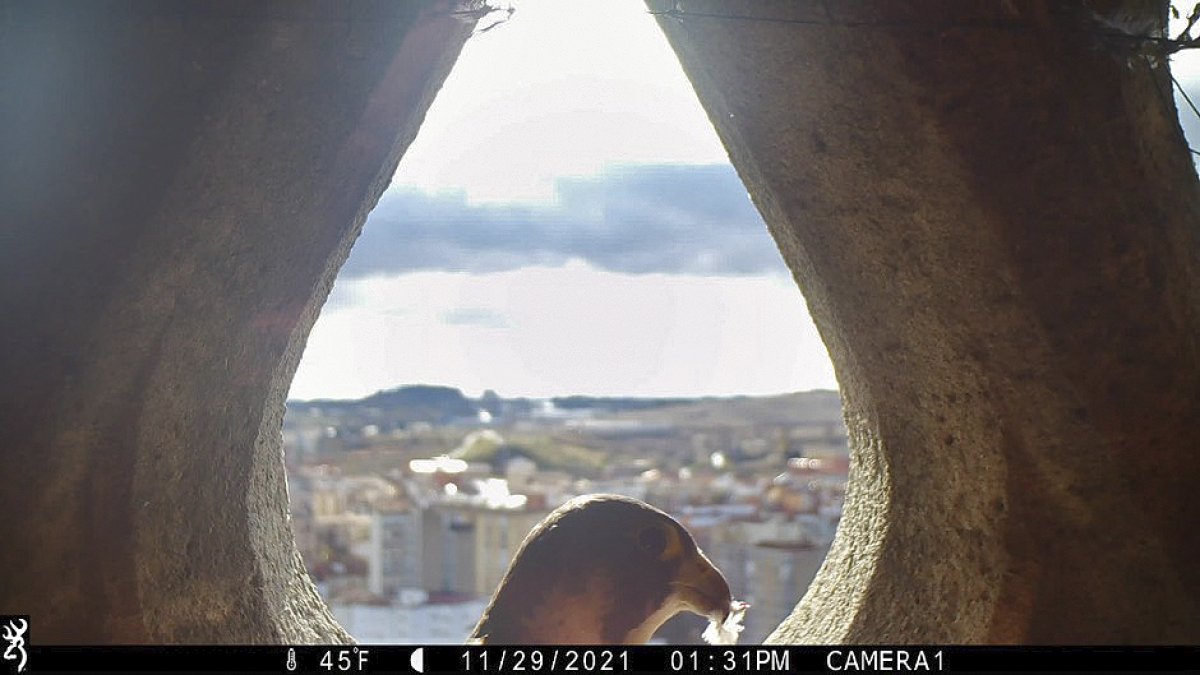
(702, 588)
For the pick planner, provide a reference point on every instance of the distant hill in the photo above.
(807, 407)
(440, 405)
(405, 405)
(618, 404)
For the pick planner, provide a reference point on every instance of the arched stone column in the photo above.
(180, 183)
(993, 217)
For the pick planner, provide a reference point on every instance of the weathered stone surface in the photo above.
(992, 214)
(180, 183)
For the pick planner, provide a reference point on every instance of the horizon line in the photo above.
(560, 396)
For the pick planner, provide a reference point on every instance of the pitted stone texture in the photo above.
(181, 182)
(992, 214)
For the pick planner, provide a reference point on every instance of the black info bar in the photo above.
(590, 659)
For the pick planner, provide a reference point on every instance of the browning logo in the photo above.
(14, 630)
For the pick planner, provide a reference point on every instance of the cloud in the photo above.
(474, 316)
(686, 219)
(572, 329)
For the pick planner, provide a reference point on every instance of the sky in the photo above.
(1185, 66)
(567, 222)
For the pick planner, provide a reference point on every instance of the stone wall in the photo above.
(181, 183)
(992, 214)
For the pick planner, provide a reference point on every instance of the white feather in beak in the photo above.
(726, 631)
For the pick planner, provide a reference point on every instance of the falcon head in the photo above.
(602, 569)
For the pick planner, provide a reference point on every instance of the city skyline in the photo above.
(409, 509)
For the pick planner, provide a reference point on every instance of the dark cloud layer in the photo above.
(668, 218)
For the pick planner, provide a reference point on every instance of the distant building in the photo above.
(498, 534)
(467, 545)
(781, 572)
(448, 550)
(624, 487)
(302, 444)
(394, 556)
(520, 472)
(770, 564)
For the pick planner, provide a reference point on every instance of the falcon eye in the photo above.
(653, 540)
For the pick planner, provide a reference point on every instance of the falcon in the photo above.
(605, 569)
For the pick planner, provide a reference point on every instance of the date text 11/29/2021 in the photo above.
(619, 660)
